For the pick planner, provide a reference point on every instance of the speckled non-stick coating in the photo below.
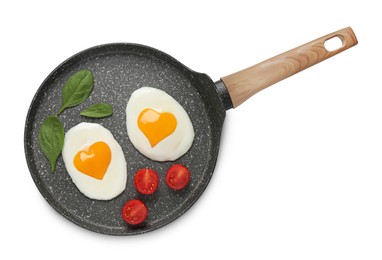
(119, 69)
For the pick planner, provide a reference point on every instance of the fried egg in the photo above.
(157, 125)
(95, 161)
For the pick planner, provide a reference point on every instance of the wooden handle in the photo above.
(245, 83)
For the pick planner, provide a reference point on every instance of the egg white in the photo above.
(115, 178)
(173, 146)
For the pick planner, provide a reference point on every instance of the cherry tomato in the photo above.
(134, 212)
(177, 177)
(146, 181)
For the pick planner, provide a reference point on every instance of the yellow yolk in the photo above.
(94, 160)
(155, 125)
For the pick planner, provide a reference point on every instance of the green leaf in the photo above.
(51, 139)
(77, 89)
(98, 110)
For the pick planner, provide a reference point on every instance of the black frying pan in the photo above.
(121, 68)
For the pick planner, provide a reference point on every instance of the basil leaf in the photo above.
(98, 110)
(77, 89)
(51, 138)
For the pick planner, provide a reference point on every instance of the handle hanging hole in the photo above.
(333, 43)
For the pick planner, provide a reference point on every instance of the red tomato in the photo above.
(146, 181)
(134, 212)
(177, 177)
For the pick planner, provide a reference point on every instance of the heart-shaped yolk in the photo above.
(93, 160)
(155, 125)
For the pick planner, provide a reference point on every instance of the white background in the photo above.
(299, 174)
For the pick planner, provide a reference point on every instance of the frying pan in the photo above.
(121, 68)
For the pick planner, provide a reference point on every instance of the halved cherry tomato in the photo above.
(177, 177)
(134, 212)
(146, 181)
